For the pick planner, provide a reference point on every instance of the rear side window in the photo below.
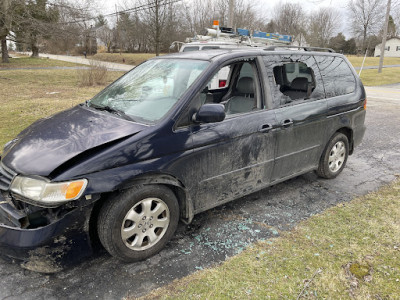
(337, 76)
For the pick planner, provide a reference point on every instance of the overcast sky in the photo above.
(265, 7)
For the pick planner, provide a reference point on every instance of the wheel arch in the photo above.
(177, 187)
(348, 132)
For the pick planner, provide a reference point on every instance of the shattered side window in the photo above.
(337, 76)
(293, 78)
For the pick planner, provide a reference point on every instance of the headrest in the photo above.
(300, 84)
(245, 85)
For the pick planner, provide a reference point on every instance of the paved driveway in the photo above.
(86, 61)
(222, 232)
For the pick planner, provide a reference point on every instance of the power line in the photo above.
(132, 10)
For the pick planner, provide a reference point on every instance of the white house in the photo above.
(392, 48)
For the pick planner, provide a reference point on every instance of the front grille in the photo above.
(6, 176)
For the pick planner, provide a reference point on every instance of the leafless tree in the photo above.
(8, 11)
(366, 17)
(323, 25)
(289, 19)
(5, 26)
(155, 12)
(78, 25)
(200, 14)
(246, 16)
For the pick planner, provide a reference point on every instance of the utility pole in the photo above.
(157, 23)
(90, 39)
(117, 39)
(231, 12)
(385, 31)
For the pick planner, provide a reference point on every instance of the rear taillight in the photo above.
(365, 104)
(222, 83)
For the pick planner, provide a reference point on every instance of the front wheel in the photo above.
(334, 157)
(137, 223)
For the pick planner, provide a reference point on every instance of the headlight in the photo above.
(47, 192)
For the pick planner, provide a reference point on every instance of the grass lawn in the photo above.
(130, 58)
(356, 61)
(29, 62)
(373, 78)
(28, 95)
(351, 251)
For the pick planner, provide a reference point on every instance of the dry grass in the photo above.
(96, 74)
(28, 95)
(351, 251)
(29, 62)
(124, 58)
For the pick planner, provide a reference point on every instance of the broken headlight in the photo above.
(43, 191)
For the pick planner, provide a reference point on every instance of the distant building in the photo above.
(392, 48)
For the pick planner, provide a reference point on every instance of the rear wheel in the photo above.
(334, 157)
(137, 223)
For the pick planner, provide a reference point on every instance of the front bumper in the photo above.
(48, 248)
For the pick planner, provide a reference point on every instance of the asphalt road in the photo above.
(222, 232)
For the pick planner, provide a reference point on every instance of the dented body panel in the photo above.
(48, 248)
(49, 143)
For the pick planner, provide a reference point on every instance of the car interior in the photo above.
(294, 80)
(240, 93)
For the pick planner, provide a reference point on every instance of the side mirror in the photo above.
(210, 113)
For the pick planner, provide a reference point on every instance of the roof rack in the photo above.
(305, 48)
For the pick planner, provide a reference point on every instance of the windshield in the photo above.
(150, 90)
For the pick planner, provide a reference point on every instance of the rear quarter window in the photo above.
(210, 47)
(337, 76)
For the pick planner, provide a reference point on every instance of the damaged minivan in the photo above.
(161, 144)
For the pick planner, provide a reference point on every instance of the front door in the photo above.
(233, 157)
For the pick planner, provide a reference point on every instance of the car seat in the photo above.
(299, 88)
(243, 100)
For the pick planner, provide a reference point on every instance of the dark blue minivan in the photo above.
(162, 144)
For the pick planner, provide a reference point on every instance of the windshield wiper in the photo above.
(112, 110)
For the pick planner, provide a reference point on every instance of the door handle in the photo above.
(265, 128)
(287, 123)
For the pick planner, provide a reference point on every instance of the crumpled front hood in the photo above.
(48, 143)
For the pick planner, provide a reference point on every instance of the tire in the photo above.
(136, 223)
(334, 157)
